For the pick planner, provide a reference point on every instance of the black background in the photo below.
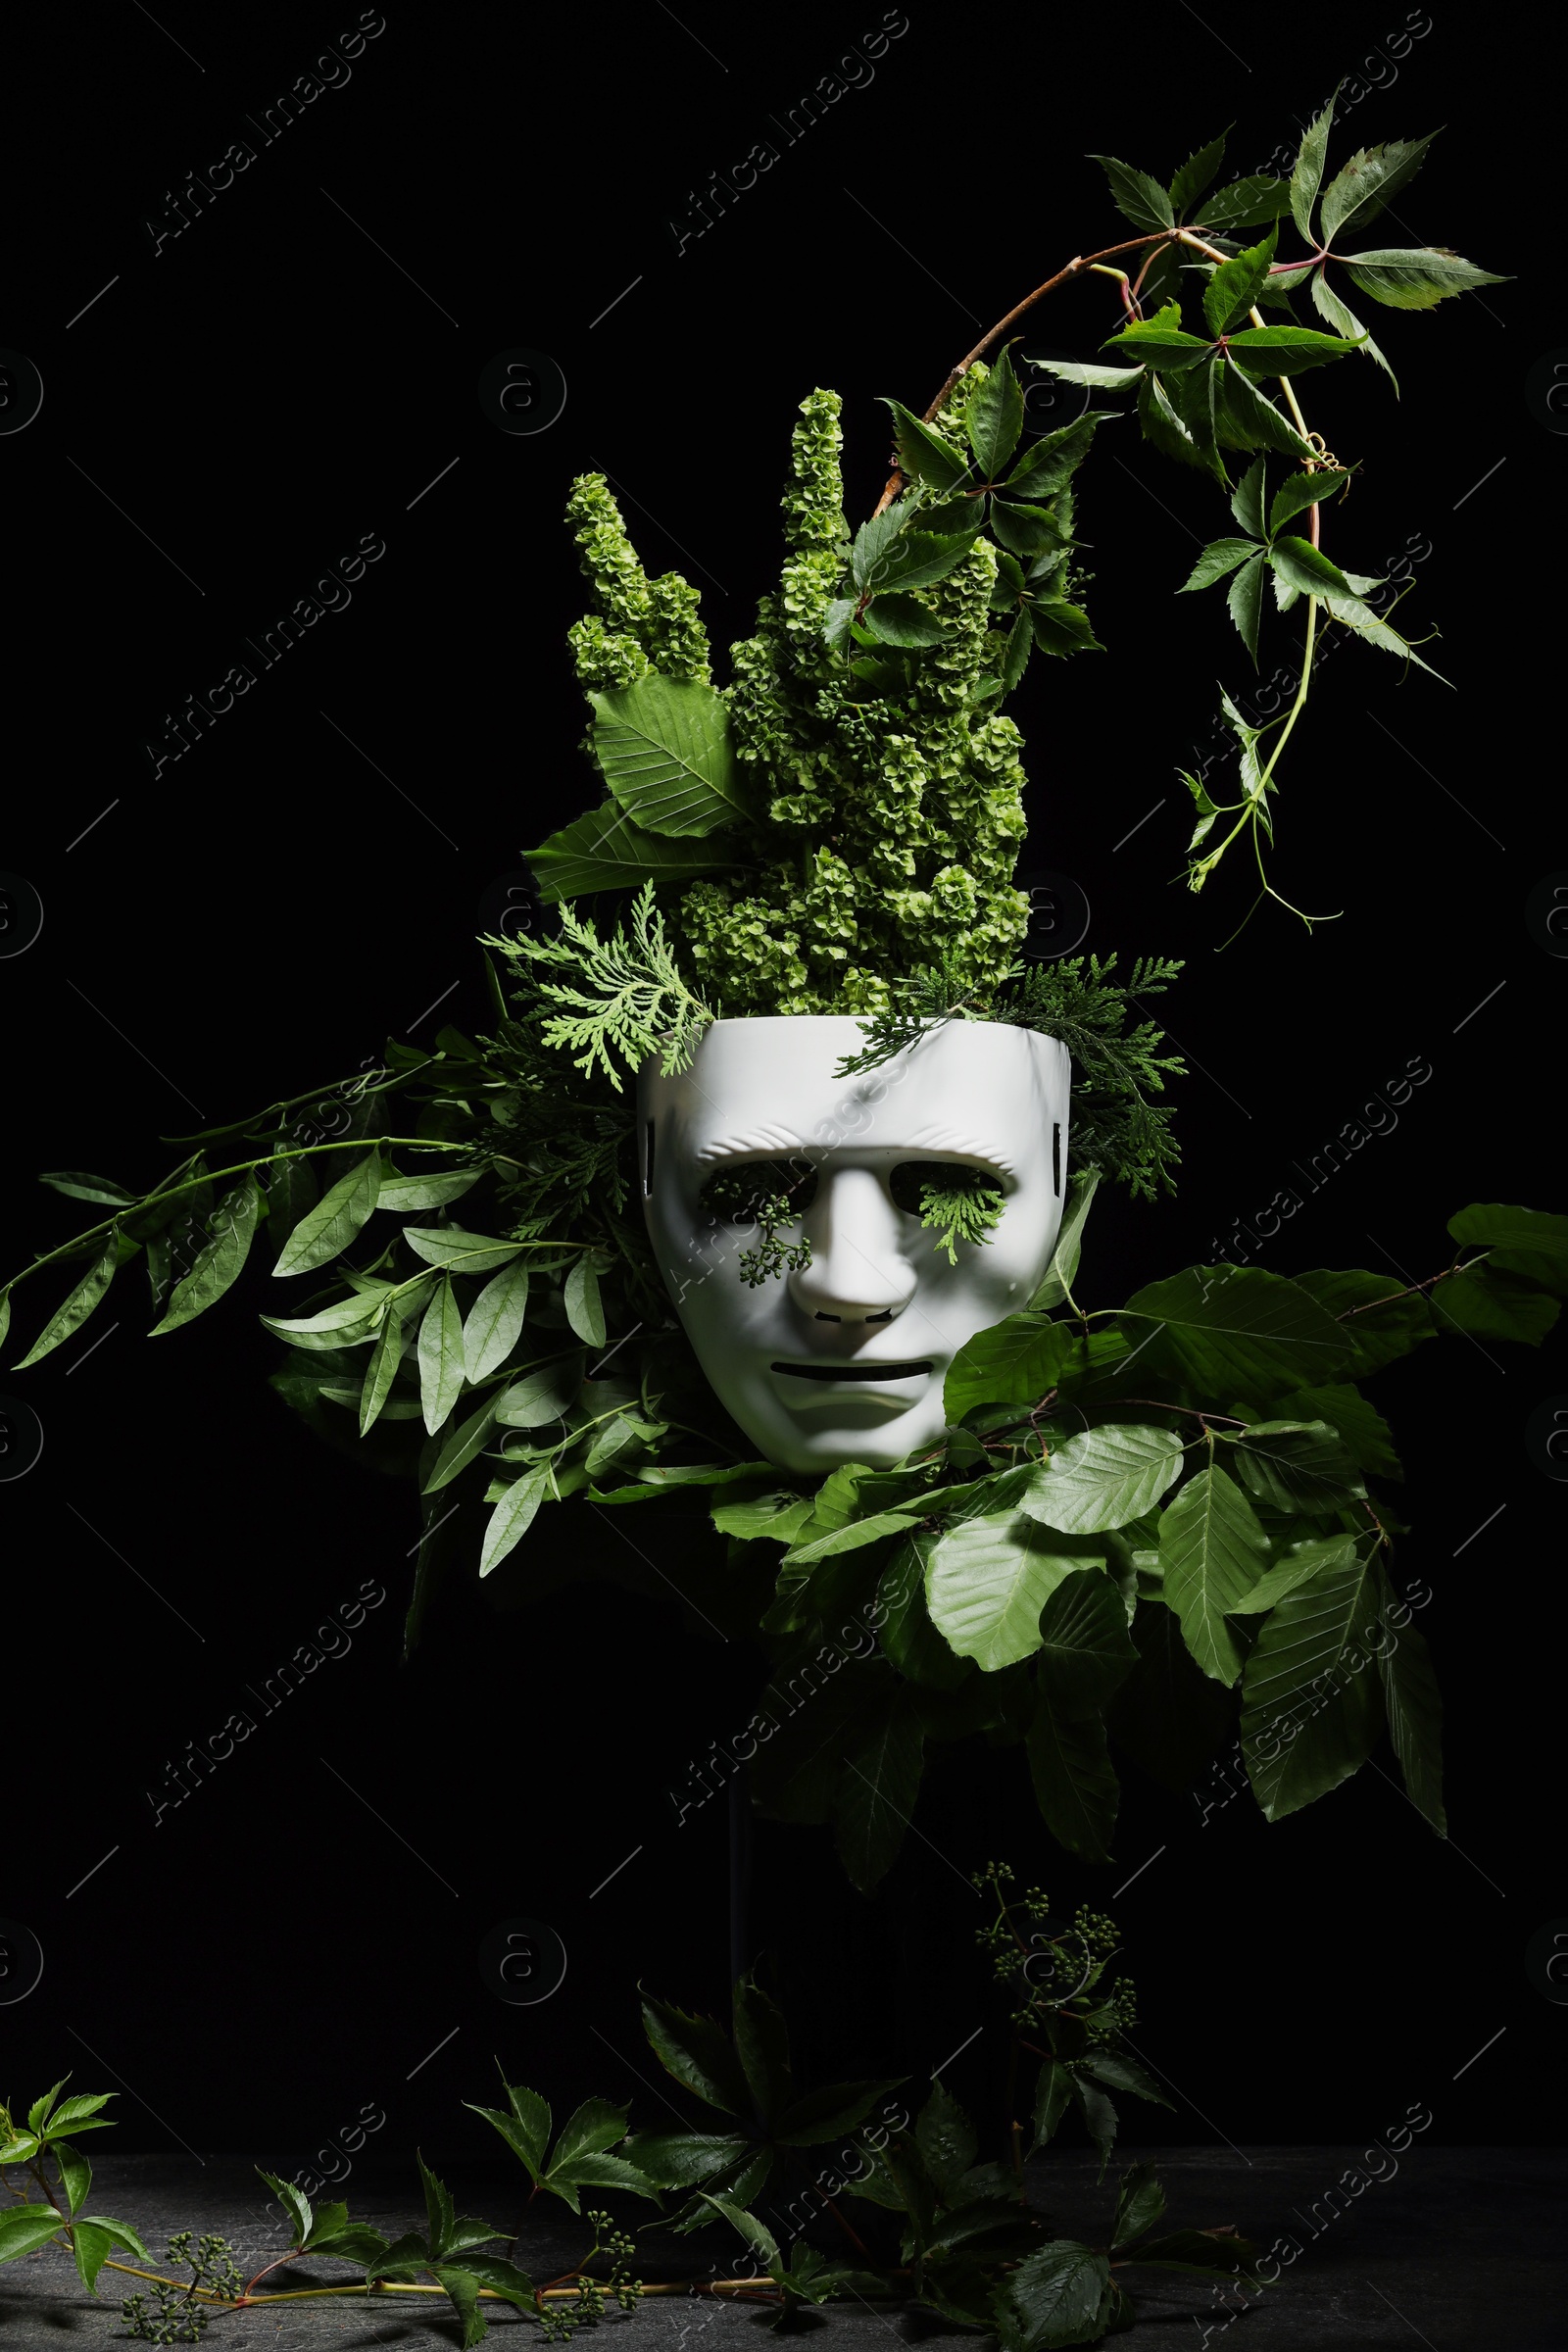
(280, 379)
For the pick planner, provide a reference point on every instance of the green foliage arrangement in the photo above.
(946, 2234)
(1161, 1519)
(1164, 1522)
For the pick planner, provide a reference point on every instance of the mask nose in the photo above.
(858, 1272)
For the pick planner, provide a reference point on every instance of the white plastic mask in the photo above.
(843, 1359)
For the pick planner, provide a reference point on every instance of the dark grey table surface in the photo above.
(1463, 2251)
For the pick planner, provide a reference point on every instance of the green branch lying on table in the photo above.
(765, 2159)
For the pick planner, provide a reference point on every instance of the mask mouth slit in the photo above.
(647, 1159)
(1055, 1155)
(821, 1318)
(852, 1371)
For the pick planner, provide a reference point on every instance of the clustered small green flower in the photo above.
(885, 827)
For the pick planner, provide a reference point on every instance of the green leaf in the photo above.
(1053, 2297)
(1521, 1240)
(403, 1193)
(1300, 1469)
(1285, 349)
(24, 2228)
(776, 1515)
(1062, 1271)
(1311, 1702)
(1251, 420)
(1247, 501)
(1213, 1549)
(1085, 1652)
(1122, 2073)
(1193, 177)
(75, 2173)
(1216, 2253)
(1308, 177)
(1234, 288)
(584, 1311)
(1380, 1319)
(455, 1247)
(38, 2112)
(1012, 1362)
(218, 1264)
(1366, 625)
(908, 1635)
(1052, 2097)
(994, 418)
(1025, 530)
(1062, 628)
(464, 1443)
(945, 2137)
(440, 1356)
(683, 2159)
(1302, 490)
(1245, 602)
(920, 558)
(696, 2052)
(382, 1369)
(756, 2233)
(1235, 1331)
(1414, 1710)
(525, 2127)
(1085, 1648)
(664, 747)
(494, 1322)
(1138, 198)
(1049, 464)
(291, 1189)
(72, 2113)
(295, 2203)
(1363, 187)
(540, 1395)
(1326, 302)
(1163, 429)
(1139, 2205)
(327, 1230)
(92, 2245)
(1220, 557)
(1307, 567)
(69, 1317)
(1161, 340)
(883, 1762)
(1104, 1477)
(987, 1581)
(81, 1187)
(349, 2242)
(1415, 279)
(1366, 1437)
(924, 455)
(503, 2277)
(606, 851)
(1016, 661)
(896, 619)
(593, 2126)
(1080, 372)
(1294, 1569)
(1245, 203)
(462, 2291)
(762, 2046)
(1494, 1307)
(512, 1517)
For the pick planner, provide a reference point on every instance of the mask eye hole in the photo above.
(776, 1192)
(912, 1179)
